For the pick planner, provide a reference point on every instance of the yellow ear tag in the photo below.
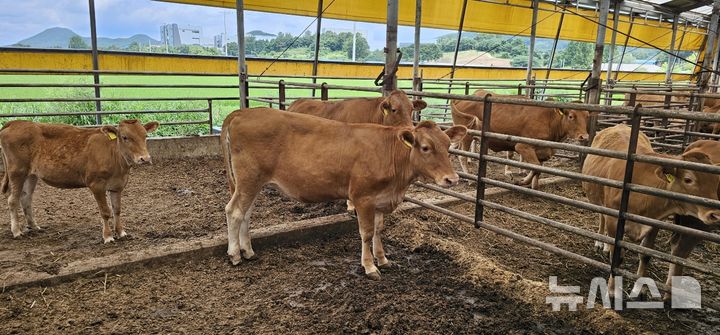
(560, 112)
(408, 144)
(386, 111)
(670, 178)
(111, 136)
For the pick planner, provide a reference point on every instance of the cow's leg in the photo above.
(611, 226)
(680, 246)
(508, 170)
(16, 181)
(350, 207)
(237, 213)
(465, 145)
(26, 201)
(366, 223)
(528, 154)
(105, 214)
(115, 204)
(600, 246)
(378, 249)
(649, 242)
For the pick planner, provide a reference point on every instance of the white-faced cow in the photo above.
(393, 110)
(550, 124)
(70, 157)
(313, 159)
(663, 177)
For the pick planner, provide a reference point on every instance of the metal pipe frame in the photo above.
(95, 63)
(457, 43)
(316, 57)
(531, 48)
(390, 79)
(242, 67)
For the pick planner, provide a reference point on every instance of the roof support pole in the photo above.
(390, 80)
(595, 81)
(95, 63)
(457, 44)
(704, 77)
(613, 39)
(671, 58)
(416, 55)
(317, 44)
(242, 67)
(627, 39)
(678, 47)
(716, 60)
(555, 43)
(531, 48)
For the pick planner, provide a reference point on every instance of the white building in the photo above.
(172, 34)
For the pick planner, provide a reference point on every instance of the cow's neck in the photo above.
(120, 160)
(403, 173)
(557, 132)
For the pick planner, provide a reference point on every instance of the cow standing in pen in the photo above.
(394, 110)
(543, 123)
(71, 157)
(313, 159)
(663, 177)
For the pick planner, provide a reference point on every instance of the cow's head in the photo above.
(574, 123)
(131, 136)
(692, 182)
(397, 109)
(429, 155)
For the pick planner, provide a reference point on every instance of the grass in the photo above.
(220, 107)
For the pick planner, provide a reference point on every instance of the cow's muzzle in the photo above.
(143, 160)
(448, 180)
(711, 217)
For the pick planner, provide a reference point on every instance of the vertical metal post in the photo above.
(555, 43)
(416, 56)
(627, 39)
(594, 82)
(624, 199)
(95, 63)
(704, 77)
(323, 92)
(467, 88)
(482, 163)
(519, 89)
(281, 94)
(242, 67)
(457, 44)
(671, 65)
(210, 116)
(671, 57)
(316, 58)
(613, 40)
(716, 59)
(531, 48)
(390, 80)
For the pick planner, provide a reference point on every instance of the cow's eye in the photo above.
(394, 110)
(687, 180)
(571, 117)
(425, 149)
(124, 138)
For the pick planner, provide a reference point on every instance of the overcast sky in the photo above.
(20, 19)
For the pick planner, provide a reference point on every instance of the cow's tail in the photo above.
(6, 180)
(474, 122)
(225, 145)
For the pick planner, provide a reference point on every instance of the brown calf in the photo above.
(314, 160)
(668, 178)
(550, 124)
(393, 110)
(70, 157)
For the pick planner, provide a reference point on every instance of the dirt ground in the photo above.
(450, 278)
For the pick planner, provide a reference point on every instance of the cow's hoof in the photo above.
(37, 228)
(122, 234)
(599, 246)
(375, 275)
(17, 234)
(388, 265)
(352, 213)
(235, 259)
(250, 256)
(107, 240)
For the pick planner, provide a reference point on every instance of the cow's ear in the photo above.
(151, 126)
(697, 157)
(456, 133)
(386, 104)
(110, 131)
(666, 173)
(419, 105)
(407, 138)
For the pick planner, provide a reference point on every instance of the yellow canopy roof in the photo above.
(480, 17)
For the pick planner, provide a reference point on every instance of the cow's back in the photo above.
(355, 110)
(60, 155)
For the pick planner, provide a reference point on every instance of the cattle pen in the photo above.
(485, 256)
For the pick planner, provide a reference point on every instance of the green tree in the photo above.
(362, 48)
(577, 55)
(232, 48)
(428, 52)
(76, 42)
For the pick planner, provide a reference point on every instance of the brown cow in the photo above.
(70, 157)
(682, 245)
(710, 127)
(668, 178)
(393, 110)
(314, 160)
(654, 100)
(550, 124)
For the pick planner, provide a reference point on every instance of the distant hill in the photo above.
(59, 37)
